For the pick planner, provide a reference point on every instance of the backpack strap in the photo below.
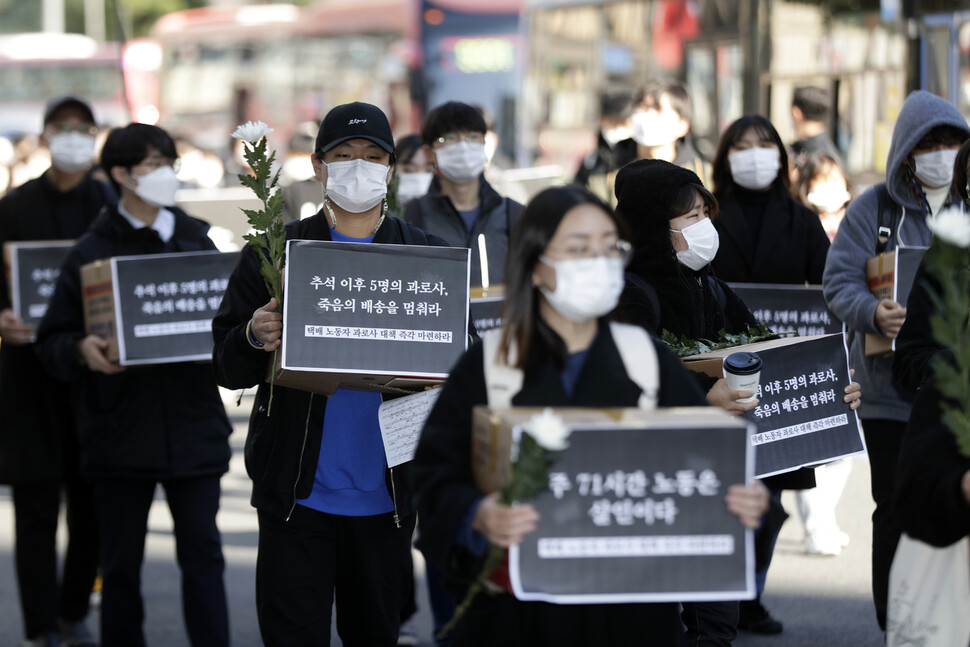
(887, 217)
(639, 357)
(501, 380)
(640, 361)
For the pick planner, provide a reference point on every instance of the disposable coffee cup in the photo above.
(742, 371)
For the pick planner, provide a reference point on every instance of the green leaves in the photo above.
(685, 347)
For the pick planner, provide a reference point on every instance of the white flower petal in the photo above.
(951, 226)
(548, 430)
(252, 131)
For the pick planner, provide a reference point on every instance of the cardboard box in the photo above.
(31, 269)
(156, 308)
(710, 363)
(485, 307)
(890, 276)
(492, 431)
(371, 316)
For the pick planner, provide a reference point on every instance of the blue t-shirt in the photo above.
(470, 216)
(349, 480)
(570, 373)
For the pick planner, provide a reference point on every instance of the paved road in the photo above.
(823, 601)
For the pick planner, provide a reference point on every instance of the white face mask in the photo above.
(586, 288)
(653, 128)
(828, 197)
(614, 136)
(158, 187)
(702, 243)
(357, 185)
(71, 152)
(412, 185)
(935, 170)
(754, 168)
(462, 162)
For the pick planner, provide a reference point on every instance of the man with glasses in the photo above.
(139, 426)
(38, 449)
(460, 205)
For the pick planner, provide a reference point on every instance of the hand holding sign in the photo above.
(93, 350)
(13, 330)
(890, 317)
(748, 502)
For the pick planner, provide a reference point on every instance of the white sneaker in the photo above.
(408, 635)
(819, 544)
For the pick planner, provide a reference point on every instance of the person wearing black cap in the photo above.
(38, 450)
(332, 517)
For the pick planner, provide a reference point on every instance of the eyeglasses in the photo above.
(621, 250)
(155, 163)
(454, 138)
(67, 128)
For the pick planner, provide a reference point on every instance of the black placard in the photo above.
(638, 515)
(801, 419)
(373, 308)
(799, 309)
(486, 314)
(167, 302)
(33, 275)
(908, 260)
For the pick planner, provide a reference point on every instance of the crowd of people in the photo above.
(650, 233)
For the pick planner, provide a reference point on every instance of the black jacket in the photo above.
(792, 245)
(162, 422)
(435, 214)
(442, 477)
(37, 432)
(282, 448)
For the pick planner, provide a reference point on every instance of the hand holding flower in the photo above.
(504, 525)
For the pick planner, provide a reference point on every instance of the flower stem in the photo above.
(492, 560)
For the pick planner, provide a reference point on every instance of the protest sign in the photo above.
(801, 419)
(156, 308)
(366, 315)
(31, 269)
(890, 275)
(636, 513)
(485, 307)
(794, 309)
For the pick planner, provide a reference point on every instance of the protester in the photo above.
(301, 191)
(661, 127)
(918, 172)
(614, 146)
(461, 206)
(766, 236)
(413, 169)
(811, 110)
(565, 275)
(38, 448)
(140, 426)
(334, 521)
(670, 287)
(822, 185)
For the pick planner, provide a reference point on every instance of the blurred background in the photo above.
(536, 67)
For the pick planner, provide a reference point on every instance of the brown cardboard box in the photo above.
(890, 276)
(327, 382)
(492, 431)
(710, 363)
(155, 308)
(31, 269)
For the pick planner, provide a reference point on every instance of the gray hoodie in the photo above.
(844, 279)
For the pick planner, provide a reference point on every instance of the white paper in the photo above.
(401, 422)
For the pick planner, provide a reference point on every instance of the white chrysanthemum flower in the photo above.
(252, 131)
(548, 430)
(952, 226)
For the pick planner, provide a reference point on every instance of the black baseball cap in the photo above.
(68, 101)
(355, 121)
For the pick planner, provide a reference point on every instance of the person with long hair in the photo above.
(564, 278)
(824, 187)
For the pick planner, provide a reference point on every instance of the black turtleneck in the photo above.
(753, 205)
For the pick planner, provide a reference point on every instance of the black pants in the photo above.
(123, 506)
(883, 441)
(36, 509)
(307, 562)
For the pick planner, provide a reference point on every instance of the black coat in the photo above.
(792, 245)
(37, 430)
(441, 471)
(282, 449)
(161, 422)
